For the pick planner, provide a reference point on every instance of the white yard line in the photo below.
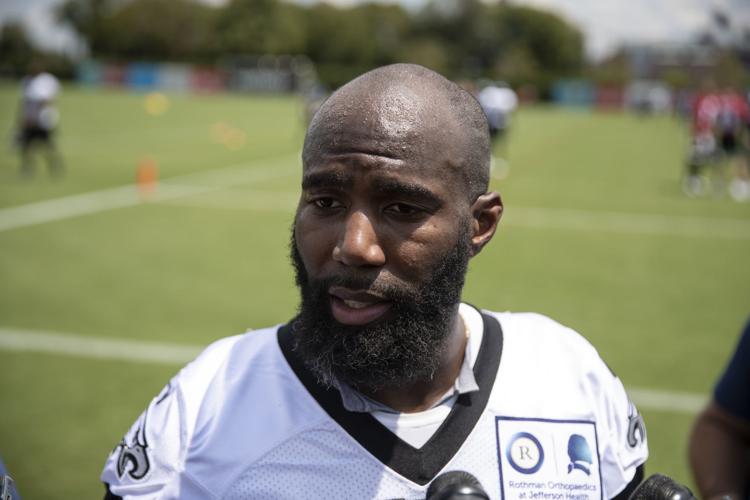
(184, 189)
(623, 222)
(129, 195)
(241, 199)
(14, 339)
(87, 203)
(678, 402)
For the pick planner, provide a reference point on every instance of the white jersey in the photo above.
(497, 103)
(39, 92)
(41, 87)
(246, 420)
(501, 99)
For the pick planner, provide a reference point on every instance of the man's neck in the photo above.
(422, 395)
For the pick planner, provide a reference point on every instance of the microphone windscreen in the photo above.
(660, 487)
(455, 485)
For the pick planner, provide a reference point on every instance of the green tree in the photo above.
(466, 30)
(17, 53)
(259, 27)
(517, 66)
(428, 52)
(501, 41)
(555, 47)
(15, 49)
(175, 30)
(460, 38)
(86, 17)
(142, 29)
(346, 42)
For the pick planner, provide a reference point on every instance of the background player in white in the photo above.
(37, 119)
(385, 379)
(498, 101)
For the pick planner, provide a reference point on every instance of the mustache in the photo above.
(383, 285)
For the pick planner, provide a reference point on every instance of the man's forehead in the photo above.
(417, 172)
(380, 159)
(397, 122)
(377, 176)
(346, 168)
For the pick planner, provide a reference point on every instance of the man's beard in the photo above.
(404, 347)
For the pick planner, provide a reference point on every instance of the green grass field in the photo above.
(596, 234)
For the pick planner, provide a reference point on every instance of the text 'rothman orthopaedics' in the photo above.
(568, 493)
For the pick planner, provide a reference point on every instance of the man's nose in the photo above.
(358, 244)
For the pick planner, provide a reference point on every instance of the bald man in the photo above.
(385, 380)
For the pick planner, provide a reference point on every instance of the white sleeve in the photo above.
(621, 432)
(625, 445)
(149, 462)
(150, 454)
(581, 385)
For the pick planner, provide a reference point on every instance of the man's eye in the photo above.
(326, 203)
(404, 209)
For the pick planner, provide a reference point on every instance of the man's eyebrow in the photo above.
(388, 187)
(338, 180)
(408, 189)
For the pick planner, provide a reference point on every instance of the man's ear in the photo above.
(486, 212)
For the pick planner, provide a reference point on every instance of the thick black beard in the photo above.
(403, 348)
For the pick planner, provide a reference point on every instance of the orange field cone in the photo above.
(147, 177)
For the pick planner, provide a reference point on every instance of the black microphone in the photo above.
(659, 487)
(456, 485)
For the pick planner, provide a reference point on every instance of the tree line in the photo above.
(460, 38)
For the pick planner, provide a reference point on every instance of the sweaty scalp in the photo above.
(405, 112)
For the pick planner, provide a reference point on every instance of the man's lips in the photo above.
(356, 307)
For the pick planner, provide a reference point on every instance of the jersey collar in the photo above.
(418, 465)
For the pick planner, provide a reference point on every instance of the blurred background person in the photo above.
(719, 145)
(720, 440)
(739, 188)
(731, 128)
(37, 120)
(734, 127)
(498, 102)
(313, 100)
(703, 147)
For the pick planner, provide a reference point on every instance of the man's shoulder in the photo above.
(240, 349)
(237, 401)
(534, 327)
(523, 318)
(550, 373)
(252, 405)
(251, 340)
(535, 338)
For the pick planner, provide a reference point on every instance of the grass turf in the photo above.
(663, 307)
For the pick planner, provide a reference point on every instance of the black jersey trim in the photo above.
(418, 465)
(640, 472)
(108, 495)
